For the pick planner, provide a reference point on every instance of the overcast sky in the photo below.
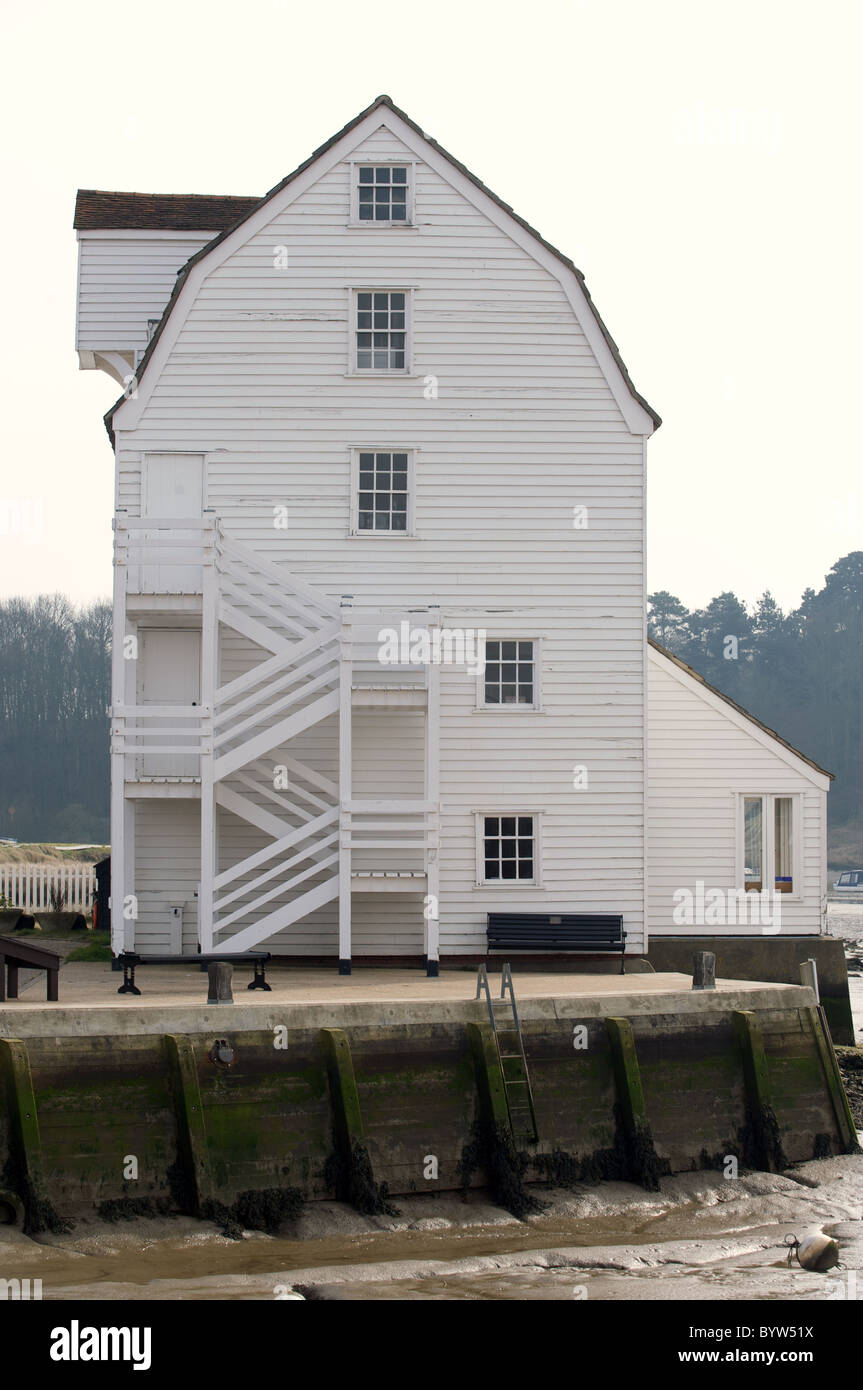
(700, 163)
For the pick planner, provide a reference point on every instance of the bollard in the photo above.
(219, 973)
(704, 970)
(809, 976)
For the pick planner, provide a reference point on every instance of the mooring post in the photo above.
(809, 976)
(189, 1113)
(219, 975)
(704, 970)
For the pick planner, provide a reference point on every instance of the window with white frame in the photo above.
(508, 848)
(510, 675)
(769, 850)
(382, 492)
(381, 331)
(383, 194)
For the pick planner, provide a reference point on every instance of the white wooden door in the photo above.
(169, 670)
(172, 489)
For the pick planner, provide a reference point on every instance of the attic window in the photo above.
(383, 193)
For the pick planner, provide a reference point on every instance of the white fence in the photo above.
(29, 886)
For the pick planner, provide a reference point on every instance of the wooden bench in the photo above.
(131, 961)
(557, 931)
(17, 955)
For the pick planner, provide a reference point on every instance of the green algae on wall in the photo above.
(134, 1124)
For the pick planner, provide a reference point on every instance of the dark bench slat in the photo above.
(553, 931)
(134, 958)
(566, 919)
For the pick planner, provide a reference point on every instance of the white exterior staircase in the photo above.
(314, 665)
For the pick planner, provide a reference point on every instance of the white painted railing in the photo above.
(28, 886)
(164, 729)
(163, 554)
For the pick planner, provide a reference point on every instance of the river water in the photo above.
(701, 1237)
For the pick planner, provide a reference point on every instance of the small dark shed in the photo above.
(103, 894)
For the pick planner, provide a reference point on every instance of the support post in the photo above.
(489, 1076)
(833, 1077)
(189, 1112)
(209, 685)
(642, 1160)
(345, 756)
(431, 928)
(766, 1150)
(122, 928)
(347, 1116)
(25, 1144)
(353, 1177)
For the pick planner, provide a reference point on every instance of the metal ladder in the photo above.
(510, 1051)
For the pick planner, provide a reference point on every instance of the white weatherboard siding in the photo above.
(167, 869)
(702, 754)
(525, 427)
(125, 278)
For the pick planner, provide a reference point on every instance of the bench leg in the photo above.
(259, 979)
(623, 960)
(53, 986)
(2, 981)
(12, 991)
(128, 986)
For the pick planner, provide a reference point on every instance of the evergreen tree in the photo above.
(667, 621)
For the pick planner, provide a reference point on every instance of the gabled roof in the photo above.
(381, 101)
(179, 212)
(682, 665)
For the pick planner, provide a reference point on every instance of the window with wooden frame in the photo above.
(382, 195)
(382, 492)
(381, 331)
(769, 843)
(511, 676)
(508, 849)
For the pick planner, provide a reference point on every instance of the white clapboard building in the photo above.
(380, 663)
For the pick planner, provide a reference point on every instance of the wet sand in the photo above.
(701, 1237)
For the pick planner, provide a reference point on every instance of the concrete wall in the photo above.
(359, 1110)
(769, 958)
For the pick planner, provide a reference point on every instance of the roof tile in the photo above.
(182, 212)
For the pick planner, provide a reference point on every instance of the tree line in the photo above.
(801, 672)
(55, 682)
